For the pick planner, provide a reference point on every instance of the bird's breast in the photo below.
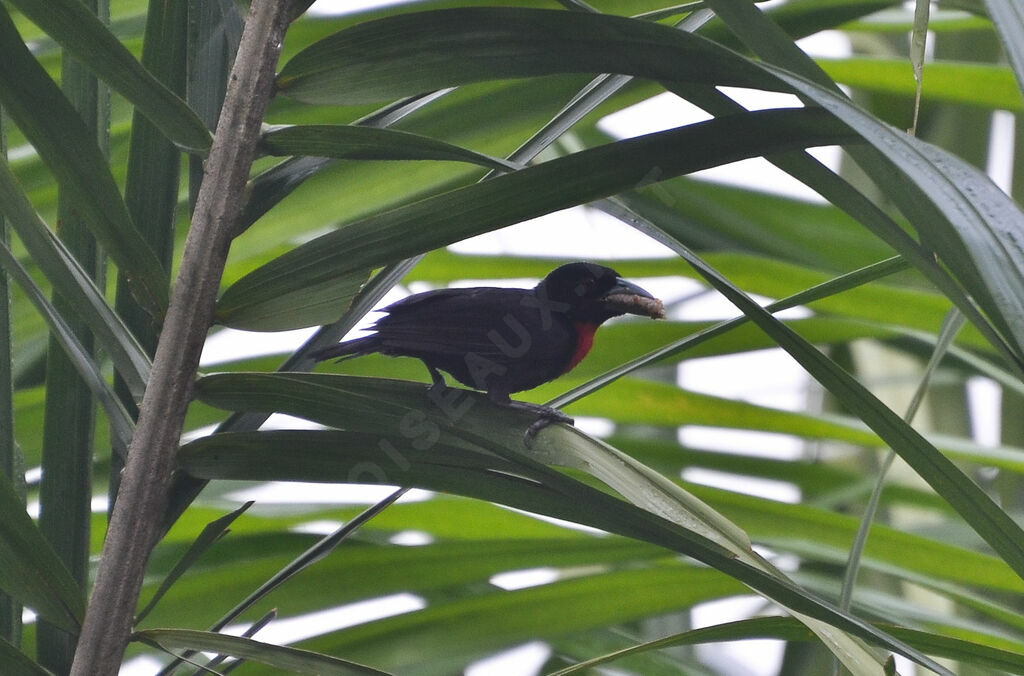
(584, 341)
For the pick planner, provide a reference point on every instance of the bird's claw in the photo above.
(545, 419)
(437, 389)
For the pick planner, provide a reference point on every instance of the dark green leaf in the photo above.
(413, 53)
(29, 570)
(368, 143)
(256, 559)
(310, 284)
(67, 276)
(121, 424)
(78, 30)
(12, 458)
(213, 532)
(463, 627)
(291, 659)
(801, 18)
(1008, 20)
(841, 193)
(905, 555)
(276, 183)
(313, 456)
(254, 309)
(978, 233)
(71, 153)
(17, 663)
(451, 431)
(970, 501)
(956, 208)
(154, 162)
(787, 629)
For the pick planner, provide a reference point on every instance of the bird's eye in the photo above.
(585, 286)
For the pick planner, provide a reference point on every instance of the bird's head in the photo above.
(595, 293)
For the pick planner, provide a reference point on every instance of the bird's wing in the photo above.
(487, 321)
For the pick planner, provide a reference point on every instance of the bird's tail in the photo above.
(350, 348)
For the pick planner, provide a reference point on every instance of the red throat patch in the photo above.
(584, 341)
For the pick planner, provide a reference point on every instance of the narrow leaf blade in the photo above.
(1008, 20)
(412, 53)
(68, 278)
(972, 503)
(78, 30)
(121, 424)
(291, 659)
(978, 233)
(368, 143)
(66, 146)
(213, 531)
(30, 571)
(308, 285)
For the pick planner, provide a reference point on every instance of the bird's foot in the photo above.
(542, 422)
(437, 384)
(437, 389)
(545, 416)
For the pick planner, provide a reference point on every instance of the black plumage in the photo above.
(502, 340)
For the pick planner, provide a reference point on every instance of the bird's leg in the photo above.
(545, 414)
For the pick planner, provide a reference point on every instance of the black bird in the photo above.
(505, 340)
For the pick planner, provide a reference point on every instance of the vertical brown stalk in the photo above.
(135, 521)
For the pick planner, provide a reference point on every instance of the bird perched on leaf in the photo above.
(502, 340)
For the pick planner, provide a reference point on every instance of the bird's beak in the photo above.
(628, 297)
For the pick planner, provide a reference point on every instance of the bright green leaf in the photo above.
(973, 84)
